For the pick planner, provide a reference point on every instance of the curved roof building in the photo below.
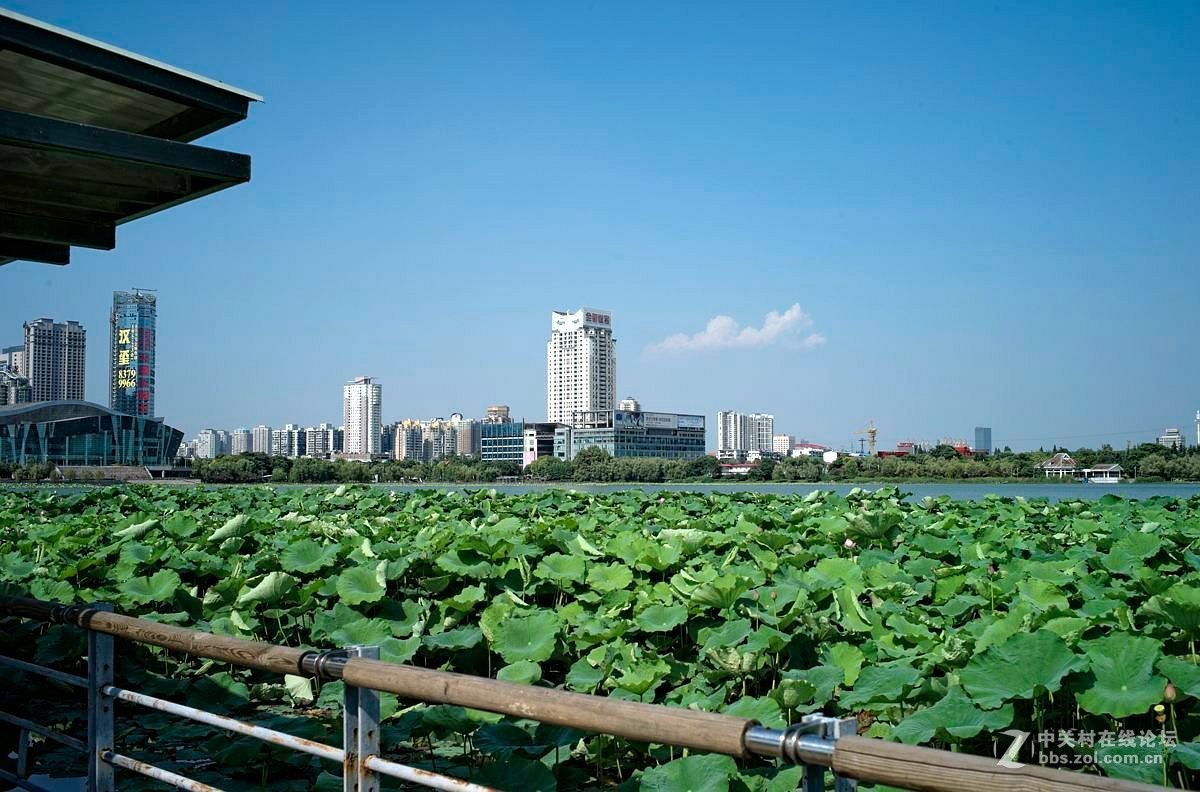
(83, 433)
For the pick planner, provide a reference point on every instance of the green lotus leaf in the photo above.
(1022, 667)
(362, 632)
(764, 710)
(359, 584)
(1145, 764)
(60, 591)
(878, 683)
(466, 599)
(793, 693)
(846, 657)
(955, 716)
(705, 773)
(461, 638)
(516, 772)
(396, 650)
(1131, 551)
(159, 587)
(1123, 667)
(136, 530)
(560, 568)
(1184, 674)
(662, 618)
(232, 527)
(610, 577)
(305, 555)
(530, 637)
(524, 672)
(273, 587)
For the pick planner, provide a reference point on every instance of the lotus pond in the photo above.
(936, 622)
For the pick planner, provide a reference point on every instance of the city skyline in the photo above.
(699, 176)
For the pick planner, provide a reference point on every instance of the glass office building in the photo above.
(628, 433)
(81, 433)
(502, 442)
(983, 439)
(133, 331)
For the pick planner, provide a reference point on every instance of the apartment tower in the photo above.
(53, 360)
(581, 364)
(363, 406)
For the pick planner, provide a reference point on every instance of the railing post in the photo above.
(23, 753)
(100, 707)
(361, 730)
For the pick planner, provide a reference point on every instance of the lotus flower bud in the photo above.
(848, 544)
(1170, 692)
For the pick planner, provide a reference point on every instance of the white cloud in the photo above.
(724, 332)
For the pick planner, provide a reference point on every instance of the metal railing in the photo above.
(818, 743)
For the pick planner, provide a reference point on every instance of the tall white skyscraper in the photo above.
(732, 430)
(363, 407)
(581, 364)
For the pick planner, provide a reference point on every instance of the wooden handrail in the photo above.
(866, 759)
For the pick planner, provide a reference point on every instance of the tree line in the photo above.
(1149, 462)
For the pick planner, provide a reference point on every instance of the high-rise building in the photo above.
(260, 439)
(467, 431)
(208, 444)
(53, 360)
(741, 436)
(14, 389)
(629, 404)
(288, 441)
(497, 413)
(762, 433)
(240, 441)
(13, 358)
(387, 438)
(782, 444)
(733, 429)
(133, 333)
(407, 441)
(440, 439)
(316, 442)
(363, 405)
(983, 439)
(581, 365)
(1171, 438)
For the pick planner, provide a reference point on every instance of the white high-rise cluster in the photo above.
(740, 436)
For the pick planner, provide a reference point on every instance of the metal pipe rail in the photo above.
(817, 742)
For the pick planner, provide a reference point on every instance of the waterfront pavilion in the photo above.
(92, 136)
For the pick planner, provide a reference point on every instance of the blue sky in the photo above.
(987, 213)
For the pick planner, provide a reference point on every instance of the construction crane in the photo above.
(870, 431)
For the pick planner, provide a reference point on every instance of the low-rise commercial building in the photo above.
(624, 433)
(502, 442)
(82, 433)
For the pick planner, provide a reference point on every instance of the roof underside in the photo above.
(92, 137)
